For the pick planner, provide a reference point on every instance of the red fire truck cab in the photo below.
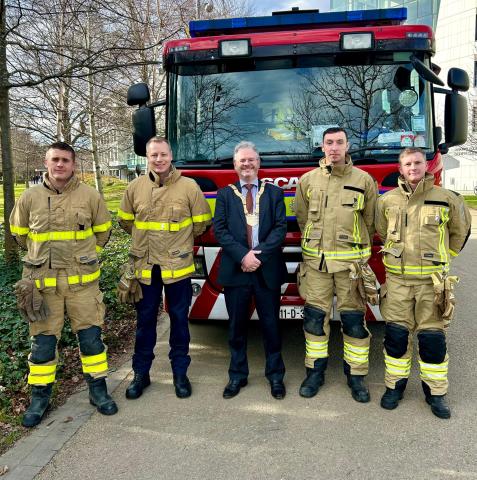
(280, 81)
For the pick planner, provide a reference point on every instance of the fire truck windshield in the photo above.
(285, 110)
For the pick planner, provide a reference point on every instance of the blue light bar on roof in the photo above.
(290, 21)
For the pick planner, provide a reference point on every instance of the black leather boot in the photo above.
(392, 396)
(312, 383)
(359, 391)
(439, 406)
(40, 399)
(99, 397)
(182, 386)
(315, 378)
(138, 384)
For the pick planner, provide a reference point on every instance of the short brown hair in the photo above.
(157, 139)
(409, 151)
(335, 130)
(62, 146)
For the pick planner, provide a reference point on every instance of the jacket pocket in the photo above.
(311, 240)
(433, 232)
(82, 219)
(394, 216)
(301, 280)
(352, 197)
(315, 204)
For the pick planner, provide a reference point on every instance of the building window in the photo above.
(475, 74)
(474, 119)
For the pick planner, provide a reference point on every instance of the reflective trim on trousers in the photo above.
(400, 367)
(354, 354)
(316, 349)
(41, 374)
(95, 363)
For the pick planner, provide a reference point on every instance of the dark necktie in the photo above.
(249, 204)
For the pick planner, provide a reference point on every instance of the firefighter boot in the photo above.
(438, 403)
(40, 397)
(391, 397)
(99, 397)
(315, 378)
(138, 384)
(359, 391)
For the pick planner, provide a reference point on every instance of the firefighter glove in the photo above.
(129, 288)
(30, 301)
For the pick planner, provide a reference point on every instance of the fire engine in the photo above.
(280, 81)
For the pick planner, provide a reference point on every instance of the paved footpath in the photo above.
(256, 437)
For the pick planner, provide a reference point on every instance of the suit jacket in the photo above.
(231, 232)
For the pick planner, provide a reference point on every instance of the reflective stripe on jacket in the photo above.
(334, 207)
(61, 230)
(421, 230)
(163, 221)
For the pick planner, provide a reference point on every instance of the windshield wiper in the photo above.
(279, 153)
(375, 147)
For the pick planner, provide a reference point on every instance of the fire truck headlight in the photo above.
(357, 41)
(234, 48)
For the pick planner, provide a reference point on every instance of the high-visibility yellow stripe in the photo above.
(201, 218)
(40, 379)
(317, 349)
(355, 354)
(94, 363)
(61, 236)
(93, 359)
(356, 230)
(453, 254)
(125, 215)
(348, 254)
(143, 274)
(99, 249)
(36, 369)
(442, 229)
(397, 366)
(91, 277)
(177, 273)
(41, 374)
(19, 230)
(102, 227)
(433, 371)
(163, 226)
(415, 269)
(46, 282)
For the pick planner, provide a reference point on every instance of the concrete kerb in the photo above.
(33, 452)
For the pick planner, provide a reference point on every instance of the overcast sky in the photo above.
(266, 7)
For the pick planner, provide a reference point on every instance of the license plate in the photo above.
(291, 313)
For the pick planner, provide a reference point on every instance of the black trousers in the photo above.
(238, 301)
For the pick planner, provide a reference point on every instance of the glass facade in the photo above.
(418, 11)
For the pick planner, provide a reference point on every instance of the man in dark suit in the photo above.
(250, 225)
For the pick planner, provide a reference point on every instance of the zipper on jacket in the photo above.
(405, 220)
(322, 261)
(326, 200)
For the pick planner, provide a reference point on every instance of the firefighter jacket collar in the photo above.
(424, 185)
(338, 170)
(171, 178)
(71, 185)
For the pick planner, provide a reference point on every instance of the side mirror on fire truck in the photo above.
(455, 110)
(138, 94)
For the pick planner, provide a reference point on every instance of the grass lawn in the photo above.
(113, 191)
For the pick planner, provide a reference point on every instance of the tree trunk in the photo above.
(11, 252)
(94, 141)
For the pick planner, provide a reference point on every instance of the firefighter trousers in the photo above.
(85, 309)
(319, 289)
(408, 309)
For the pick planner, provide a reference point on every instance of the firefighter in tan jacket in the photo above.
(62, 223)
(422, 226)
(334, 207)
(164, 212)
